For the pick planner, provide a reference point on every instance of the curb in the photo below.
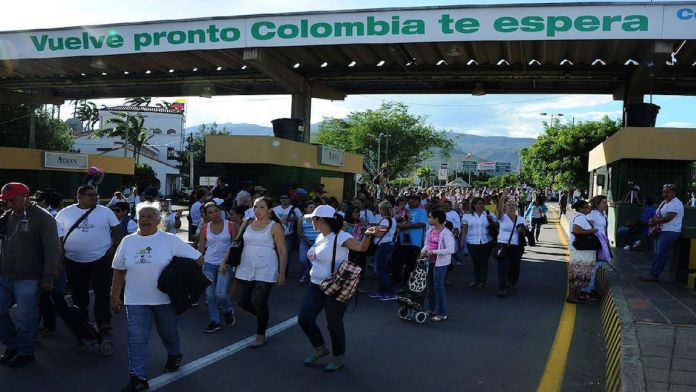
(624, 367)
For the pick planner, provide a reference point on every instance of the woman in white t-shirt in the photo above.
(328, 223)
(599, 220)
(512, 226)
(142, 256)
(385, 235)
(216, 239)
(582, 262)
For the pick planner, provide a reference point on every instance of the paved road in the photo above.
(488, 344)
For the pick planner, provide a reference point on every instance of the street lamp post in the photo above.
(552, 115)
(379, 155)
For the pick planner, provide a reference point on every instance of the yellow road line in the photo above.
(552, 378)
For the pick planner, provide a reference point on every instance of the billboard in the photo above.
(486, 166)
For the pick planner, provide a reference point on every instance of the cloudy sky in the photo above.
(501, 115)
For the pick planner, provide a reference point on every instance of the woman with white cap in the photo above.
(330, 249)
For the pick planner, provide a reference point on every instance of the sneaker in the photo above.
(303, 279)
(173, 363)
(636, 244)
(212, 327)
(627, 247)
(136, 385)
(375, 294)
(43, 332)
(21, 361)
(8, 355)
(229, 318)
(438, 318)
(388, 297)
(318, 354)
(335, 364)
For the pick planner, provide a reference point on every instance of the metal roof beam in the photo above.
(8, 97)
(289, 80)
(651, 64)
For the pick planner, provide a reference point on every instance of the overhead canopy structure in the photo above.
(458, 183)
(625, 49)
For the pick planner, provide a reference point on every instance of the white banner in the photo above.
(442, 174)
(442, 24)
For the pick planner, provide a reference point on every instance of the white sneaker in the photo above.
(636, 244)
(627, 247)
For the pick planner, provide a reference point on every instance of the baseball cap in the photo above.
(218, 200)
(323, 211)
(12, 190)
(93, 170)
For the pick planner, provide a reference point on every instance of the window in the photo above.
(171, 131)
(156, 131)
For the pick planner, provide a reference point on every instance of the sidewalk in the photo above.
(657, 322)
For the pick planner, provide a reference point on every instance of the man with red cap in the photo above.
(29, 252)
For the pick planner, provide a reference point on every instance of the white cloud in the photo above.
(677, 124)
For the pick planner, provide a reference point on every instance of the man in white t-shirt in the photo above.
(88, 247)
(288, 215)
(668, 217)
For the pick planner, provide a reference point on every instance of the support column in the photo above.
(302, 108)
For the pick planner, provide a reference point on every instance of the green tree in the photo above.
(197, 147)
(138, 101)
(142, 173)
(88, 113)
(560, 155)
(129, 128)
(410, 139)
(51, 133)
(423, 173)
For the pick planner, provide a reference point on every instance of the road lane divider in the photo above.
(200, 363)
(552, 377)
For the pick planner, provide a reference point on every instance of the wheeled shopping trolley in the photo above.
(412, 299)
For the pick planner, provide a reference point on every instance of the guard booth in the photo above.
(62, 172)
(276, 163)
(634, 164)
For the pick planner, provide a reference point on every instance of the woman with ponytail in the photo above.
(330, 249)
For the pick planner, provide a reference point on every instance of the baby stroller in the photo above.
(412, 299)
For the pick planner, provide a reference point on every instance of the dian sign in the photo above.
(62, 160)
(331, 156)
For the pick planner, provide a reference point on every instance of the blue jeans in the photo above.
(663, 245)
(21, 334)
(217, 292)
(314, 301)
(436, 290)
(140, 319)
(381, 261)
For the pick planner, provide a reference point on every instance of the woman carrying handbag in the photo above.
(329, 251)
(583, 251)
(508, 251)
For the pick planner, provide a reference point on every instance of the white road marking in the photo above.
(200, 363)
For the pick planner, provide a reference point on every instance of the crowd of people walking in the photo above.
(242, 244)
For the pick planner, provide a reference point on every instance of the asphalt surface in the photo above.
(487, 344)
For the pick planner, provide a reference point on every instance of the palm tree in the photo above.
(423, 173)
(138, 101)
(130, 128)
(88, 112)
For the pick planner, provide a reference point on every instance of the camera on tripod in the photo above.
(633, 193)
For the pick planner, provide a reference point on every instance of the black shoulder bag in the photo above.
(77, 223)
(586, 241)
(235, 254)
(501, 250)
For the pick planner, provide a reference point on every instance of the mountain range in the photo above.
(481, 148)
